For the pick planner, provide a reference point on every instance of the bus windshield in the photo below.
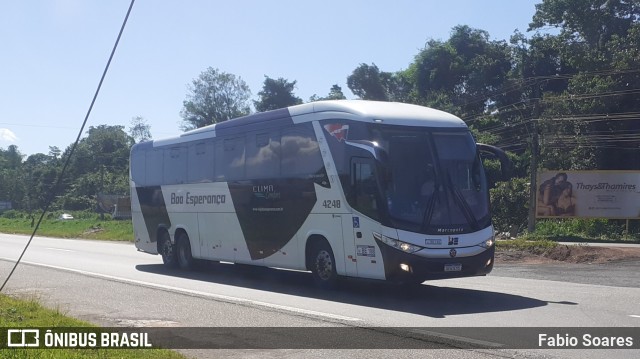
(435, 182)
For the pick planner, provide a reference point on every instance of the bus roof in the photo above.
(366, 111)
(378, 110)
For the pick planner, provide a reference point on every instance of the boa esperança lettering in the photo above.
(194, 200)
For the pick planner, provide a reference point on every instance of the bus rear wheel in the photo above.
(323, 265)
(167, 251)
(185, 257)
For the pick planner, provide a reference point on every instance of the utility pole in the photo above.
(533, 179)
(102, 190)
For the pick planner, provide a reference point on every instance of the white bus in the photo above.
(364, 189)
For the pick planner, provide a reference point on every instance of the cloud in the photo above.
(7, 136)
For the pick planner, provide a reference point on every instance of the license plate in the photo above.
(456, 267)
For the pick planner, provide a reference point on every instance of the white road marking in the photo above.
(458, 338)
(199, 293)
(60, 249)
(634, 316)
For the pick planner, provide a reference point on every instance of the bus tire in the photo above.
(183, 252)
(167, 250)
(323, 265)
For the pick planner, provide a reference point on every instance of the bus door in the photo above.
(349, 223)
(365, 200)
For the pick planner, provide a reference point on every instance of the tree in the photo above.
(41, 174)
(214, 97)
(140, 130)
(594, 22)
(54, 152)
(104, 146)
(276, 94)
(11, 177)
(598, 49)
(369, 83)
(13, 157)
(334, 94)
(99, 164)
(466, 69)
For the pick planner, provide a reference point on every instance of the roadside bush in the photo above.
(580, 227)
(88, 215)
(510, 204)
(76, 203)
(13, 214)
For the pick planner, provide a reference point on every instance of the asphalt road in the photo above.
(113, 285)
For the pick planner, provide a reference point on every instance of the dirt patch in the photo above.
(570, 254)
(92, 230)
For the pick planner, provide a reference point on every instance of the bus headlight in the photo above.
(403, 246)
(488, 243)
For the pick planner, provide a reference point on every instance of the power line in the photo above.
(53, 192)
(32, 125)
(530, 81)
(534, 80)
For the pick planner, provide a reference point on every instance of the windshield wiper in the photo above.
(428, 211)
(459, 198)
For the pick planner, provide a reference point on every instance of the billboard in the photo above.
(588, 194)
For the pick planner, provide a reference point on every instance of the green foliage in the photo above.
(140, 130)
(12, 214)
(464, 70)
(369, 83)
(593, 22)
(509, 204)
(334, 94)
(588, 228)
(28, 313)
(76, 203)
(493, 171)
(86, 224)
(276, 94)
(213, 97)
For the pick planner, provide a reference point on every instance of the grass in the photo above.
(90, 228)
(17, 313)
(588, 230)
(20, 314)
(527, 244)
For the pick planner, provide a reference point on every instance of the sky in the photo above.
(53, 53)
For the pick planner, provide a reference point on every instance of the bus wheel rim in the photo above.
(324, 265)
(166, 249)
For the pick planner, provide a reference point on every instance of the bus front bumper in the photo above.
(401, 266)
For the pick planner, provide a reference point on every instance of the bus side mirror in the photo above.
(505, 162)
(375, 150)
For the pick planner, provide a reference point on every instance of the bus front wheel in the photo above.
(167, 250)
(323, 265)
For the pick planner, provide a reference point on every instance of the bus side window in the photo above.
(364, 187)
(263, 155)
(200, 162)
(154, 163)
(138, 170)
(300, 152)
(175, 165)
(230, 158)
